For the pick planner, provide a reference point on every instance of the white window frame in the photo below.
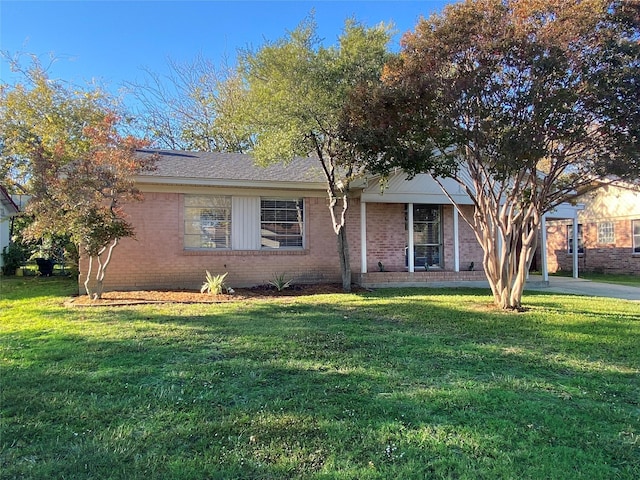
(606, 233)
(275, 212)
(635, 236)
(214, 233)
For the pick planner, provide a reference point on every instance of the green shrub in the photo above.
(12, 258)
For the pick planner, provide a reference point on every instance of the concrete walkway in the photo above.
(580, 286)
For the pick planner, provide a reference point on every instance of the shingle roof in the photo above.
(7, 201)
(213, 166)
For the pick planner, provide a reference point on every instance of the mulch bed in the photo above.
(191, 296)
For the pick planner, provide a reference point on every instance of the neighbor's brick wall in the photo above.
(618, 258)
(156, 257)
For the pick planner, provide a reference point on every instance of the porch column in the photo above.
(575, 245)
(456, 240)
(543, 248)
(363, 237)
(410, 239)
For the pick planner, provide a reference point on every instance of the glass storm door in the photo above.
(427, 236)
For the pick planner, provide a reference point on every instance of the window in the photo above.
(606, 233)
(636, 236)
(281, 223)
(213, 222)
(207, 221)
(427, 236)
(570, 239)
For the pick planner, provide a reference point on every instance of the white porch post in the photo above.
(575, 245)
(363, 237)
(456, 240)
(410, 239)
(543, 248)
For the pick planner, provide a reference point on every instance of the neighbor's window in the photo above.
(207, 221)
(636, 236)
(570, 239)
(606, 232)
(281, 223)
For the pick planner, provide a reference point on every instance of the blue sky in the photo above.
(112, 41)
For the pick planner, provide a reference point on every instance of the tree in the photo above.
(68, 154)
(522, 102)
(295, 90)
(180, 110)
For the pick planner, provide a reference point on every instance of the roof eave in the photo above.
(216, 182)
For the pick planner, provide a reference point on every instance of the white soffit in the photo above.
(420, 189)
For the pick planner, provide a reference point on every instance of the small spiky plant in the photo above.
(213, 284)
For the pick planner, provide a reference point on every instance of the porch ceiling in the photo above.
(420, 189)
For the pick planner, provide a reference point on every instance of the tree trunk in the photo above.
(345, 263)
(508, 251)
(102, 268)
(507, 230)
(88, 277)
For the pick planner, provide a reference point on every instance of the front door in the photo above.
(427, 237)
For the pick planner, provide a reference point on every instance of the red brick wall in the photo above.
(156, 257)
(618, 258)
(387, 238)
(470, 249)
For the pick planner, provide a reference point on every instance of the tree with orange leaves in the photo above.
(61, 145)
(522, 102)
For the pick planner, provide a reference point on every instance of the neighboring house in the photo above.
(608, 233)
(221, 213)
(8, 209)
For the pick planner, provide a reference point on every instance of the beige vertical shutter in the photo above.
(245, 223)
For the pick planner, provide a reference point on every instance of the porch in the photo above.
(431, 279)
(422, 279)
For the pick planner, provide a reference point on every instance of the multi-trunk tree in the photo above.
(294, 93)
(61, 145)
(522, 102)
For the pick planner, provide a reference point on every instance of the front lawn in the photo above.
(394, 384)
(617, 278)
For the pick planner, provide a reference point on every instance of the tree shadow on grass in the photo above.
(355, 389)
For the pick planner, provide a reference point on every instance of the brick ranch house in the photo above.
(219, 212)
(607, 229)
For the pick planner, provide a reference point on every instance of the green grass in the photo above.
(617, 278)
(395, 384)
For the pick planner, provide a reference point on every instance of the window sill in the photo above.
(242, 253)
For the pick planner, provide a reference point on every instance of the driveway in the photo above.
(580, 286)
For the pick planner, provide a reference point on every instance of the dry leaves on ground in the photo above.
(189, 296)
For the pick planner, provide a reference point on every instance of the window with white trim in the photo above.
(636, 236)
(606, 233)
(570, 239)
(281, 223)
(207, 222)
(215, 222)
